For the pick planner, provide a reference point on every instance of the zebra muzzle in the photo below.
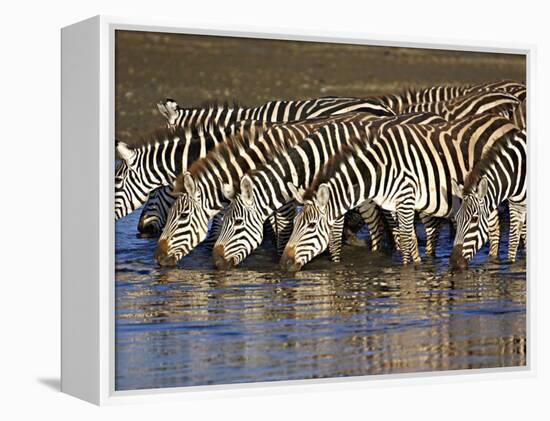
(161, 254)
(146, 230)
(220, 261)
(457, 260)
(288, 261)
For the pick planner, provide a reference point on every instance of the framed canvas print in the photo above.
(245, 208)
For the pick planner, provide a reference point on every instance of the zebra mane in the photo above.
(210, 105)
(487, 160)
(416, 91)
(232, 148)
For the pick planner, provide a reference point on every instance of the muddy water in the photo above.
(194, 325)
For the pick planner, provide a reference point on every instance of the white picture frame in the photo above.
(88, 223)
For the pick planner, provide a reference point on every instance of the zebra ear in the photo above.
(124, 151)
(297, 193)
(228, 191)
(247, 188)
(189, 185)
(322, 196)
(457, 188)
(482, 188)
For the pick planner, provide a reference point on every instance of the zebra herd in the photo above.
(454, 153)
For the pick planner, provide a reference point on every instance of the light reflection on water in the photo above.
(368, 315)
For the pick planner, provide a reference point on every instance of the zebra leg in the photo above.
(517, 220)
(494, 233)
(270, 228)
(335, 244)
(372, 216)
(407, 235)
(284, 217)
(391, 220)
(431, 226)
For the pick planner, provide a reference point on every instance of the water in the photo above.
(194, 325)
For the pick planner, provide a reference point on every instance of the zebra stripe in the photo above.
(402, 168)
(499, 176)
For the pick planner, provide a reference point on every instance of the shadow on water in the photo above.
(194, 325)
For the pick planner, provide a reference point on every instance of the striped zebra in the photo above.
(153, 164)
(273, 111)
(500, 176)
(205, 188)
(479, 102)
(265, 189)
(403, 168)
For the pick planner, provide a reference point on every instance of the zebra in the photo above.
(264, 190)
(196, 131)
(499, 176)
(274, 111)
(403, 168)
(479, 101)
(205, 188)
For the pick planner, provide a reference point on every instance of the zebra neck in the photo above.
(504, 186)
(211, 188)
(202, 117)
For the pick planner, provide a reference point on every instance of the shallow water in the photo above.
(194, 325)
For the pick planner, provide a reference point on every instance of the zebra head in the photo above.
(186, 225)
(311, 233)
(153, 216)
(242, 227)
(170, 110)
(128, 180)
(472, 223)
